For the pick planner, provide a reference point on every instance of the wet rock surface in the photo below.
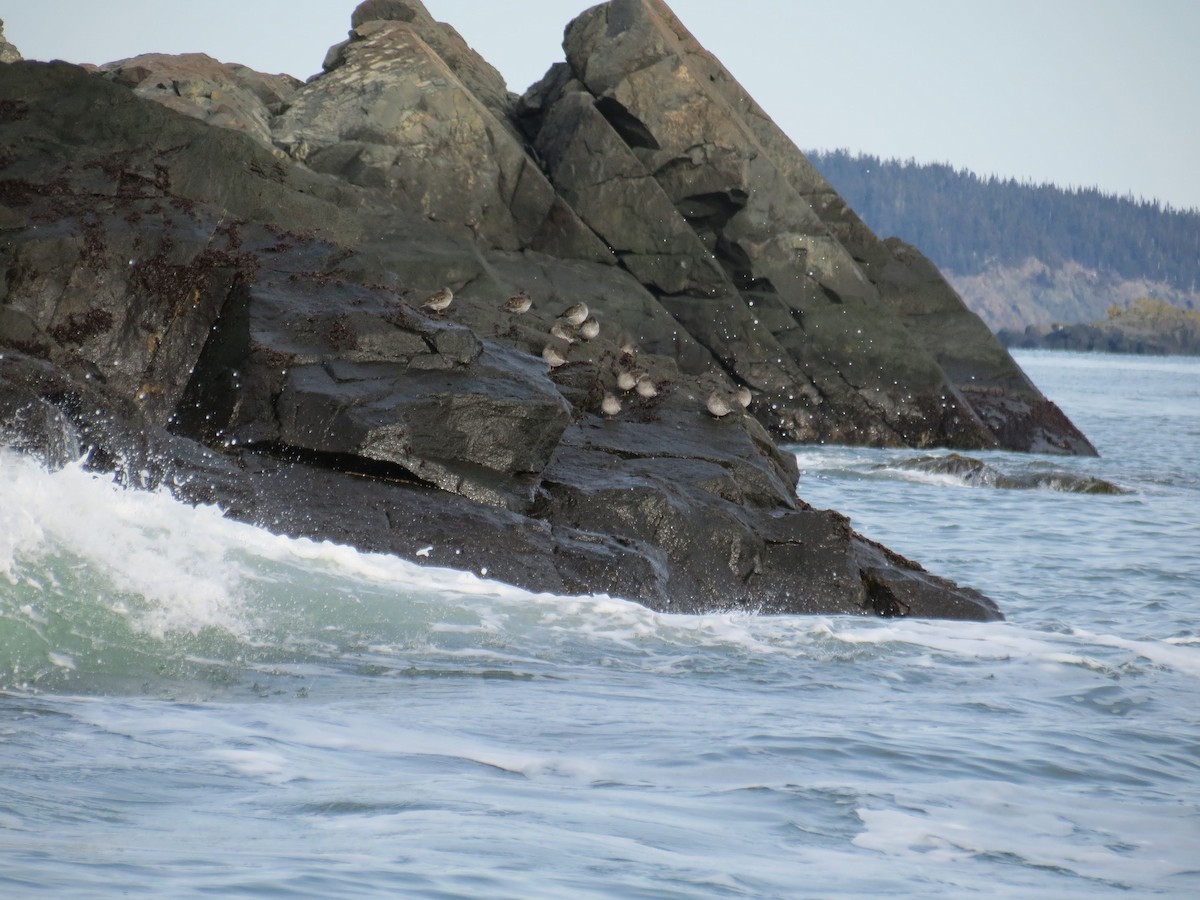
(223, 290)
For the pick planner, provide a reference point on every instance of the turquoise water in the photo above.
(190, 706)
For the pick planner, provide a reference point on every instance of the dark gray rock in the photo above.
(187, 307)
(353, 372)
(976, 366)
(391, 115)
(842, 337)
(228, 95)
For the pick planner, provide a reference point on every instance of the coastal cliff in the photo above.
(213, 281)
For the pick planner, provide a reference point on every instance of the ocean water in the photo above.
(193, 707)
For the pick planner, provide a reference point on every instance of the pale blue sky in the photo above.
(1077, 92)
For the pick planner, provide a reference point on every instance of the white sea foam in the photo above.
(1009, 641)
(265, 765)
(1183, 658)
(183, 569)
(190, 563)
(176, 557)
(956, 822)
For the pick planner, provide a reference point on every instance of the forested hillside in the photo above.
(1021, 253)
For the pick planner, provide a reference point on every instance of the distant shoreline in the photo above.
(1147, 327)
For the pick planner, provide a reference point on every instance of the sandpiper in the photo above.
(626, 380)
(718, 405)
(438, 300)
(628, 350)
(590, 328)
(552, 356)
(518, 304)
(575, 314)
(743, 396)
(563, 332)
(646, 387)
(610, 405)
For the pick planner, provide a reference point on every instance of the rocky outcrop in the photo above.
(236, 312)
(392, 116)
(8, 53)
(224, 94)
(841, 336)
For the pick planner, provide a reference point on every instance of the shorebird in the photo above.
(575, 314)
(590, 328)
(743, 396)
(628, 350)
(552, 356)
(626, 380)
(563, 331)
(438, 300)
(610, 405)
(718, 405)
(646, 388)
(518, 304)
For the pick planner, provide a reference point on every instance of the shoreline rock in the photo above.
(235, 313)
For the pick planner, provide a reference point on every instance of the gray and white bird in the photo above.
(590, 328)
(439, 300)
(563, 331)
(646, 387)
(610, 405)
(627, 380)
(553, 356)
(518, 304)
(743, 397)
(718, 405)
(575, 314)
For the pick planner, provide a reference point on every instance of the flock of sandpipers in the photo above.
(576, 323)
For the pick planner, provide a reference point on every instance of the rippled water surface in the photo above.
(192, 706)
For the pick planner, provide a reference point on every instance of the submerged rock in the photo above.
(976, 473)
(234, 312)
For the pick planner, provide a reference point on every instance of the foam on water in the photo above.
(95, 569)
(147, 545)
(1007, 821)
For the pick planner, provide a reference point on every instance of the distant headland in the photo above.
(1038, 259)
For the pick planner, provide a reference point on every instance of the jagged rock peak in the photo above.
(479, 76)
(8, 53)
(388, 10)
(846, 339)
(407, 110)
